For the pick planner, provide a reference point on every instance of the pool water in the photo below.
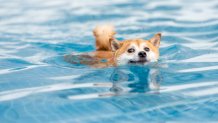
(38, 86)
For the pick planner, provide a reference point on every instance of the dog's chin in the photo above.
(141, 61)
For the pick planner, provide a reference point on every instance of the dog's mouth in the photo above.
(142, 61)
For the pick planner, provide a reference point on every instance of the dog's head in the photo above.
(136, 51)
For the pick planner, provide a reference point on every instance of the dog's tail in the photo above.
(103, 35)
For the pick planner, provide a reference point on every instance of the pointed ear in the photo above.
(115, 44)
(156, 40)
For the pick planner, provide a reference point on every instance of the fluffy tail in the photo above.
(103, 35)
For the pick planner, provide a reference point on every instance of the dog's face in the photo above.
(136, 51)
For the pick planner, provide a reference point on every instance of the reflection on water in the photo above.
(138, 78)
(124, 80)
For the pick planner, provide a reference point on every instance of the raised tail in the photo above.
(103, 35)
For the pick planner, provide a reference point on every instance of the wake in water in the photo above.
(124, 80)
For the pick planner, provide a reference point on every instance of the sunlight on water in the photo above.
(38, 85)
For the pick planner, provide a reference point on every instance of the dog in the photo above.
(111, 52)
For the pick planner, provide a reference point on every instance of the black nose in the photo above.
(142, 54)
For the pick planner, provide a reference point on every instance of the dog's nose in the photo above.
(142, 54)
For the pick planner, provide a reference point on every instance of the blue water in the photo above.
(38, 86)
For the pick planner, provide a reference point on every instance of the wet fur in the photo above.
(111, 50)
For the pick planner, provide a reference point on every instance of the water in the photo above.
(37, 85)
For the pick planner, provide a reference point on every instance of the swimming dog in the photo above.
(111, 52)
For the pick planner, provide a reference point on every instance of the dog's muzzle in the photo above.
(142, 54)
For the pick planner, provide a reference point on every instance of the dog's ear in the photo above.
(115, 44)
(156, 40)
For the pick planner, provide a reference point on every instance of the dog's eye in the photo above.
(146, 49)
(131, 50)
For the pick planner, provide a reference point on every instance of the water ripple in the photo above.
(37, 85)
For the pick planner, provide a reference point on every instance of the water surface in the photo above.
(37, 85)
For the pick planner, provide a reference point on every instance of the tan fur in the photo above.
(105, 55)
(126, 43)
(103, 35)
(154, 49)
